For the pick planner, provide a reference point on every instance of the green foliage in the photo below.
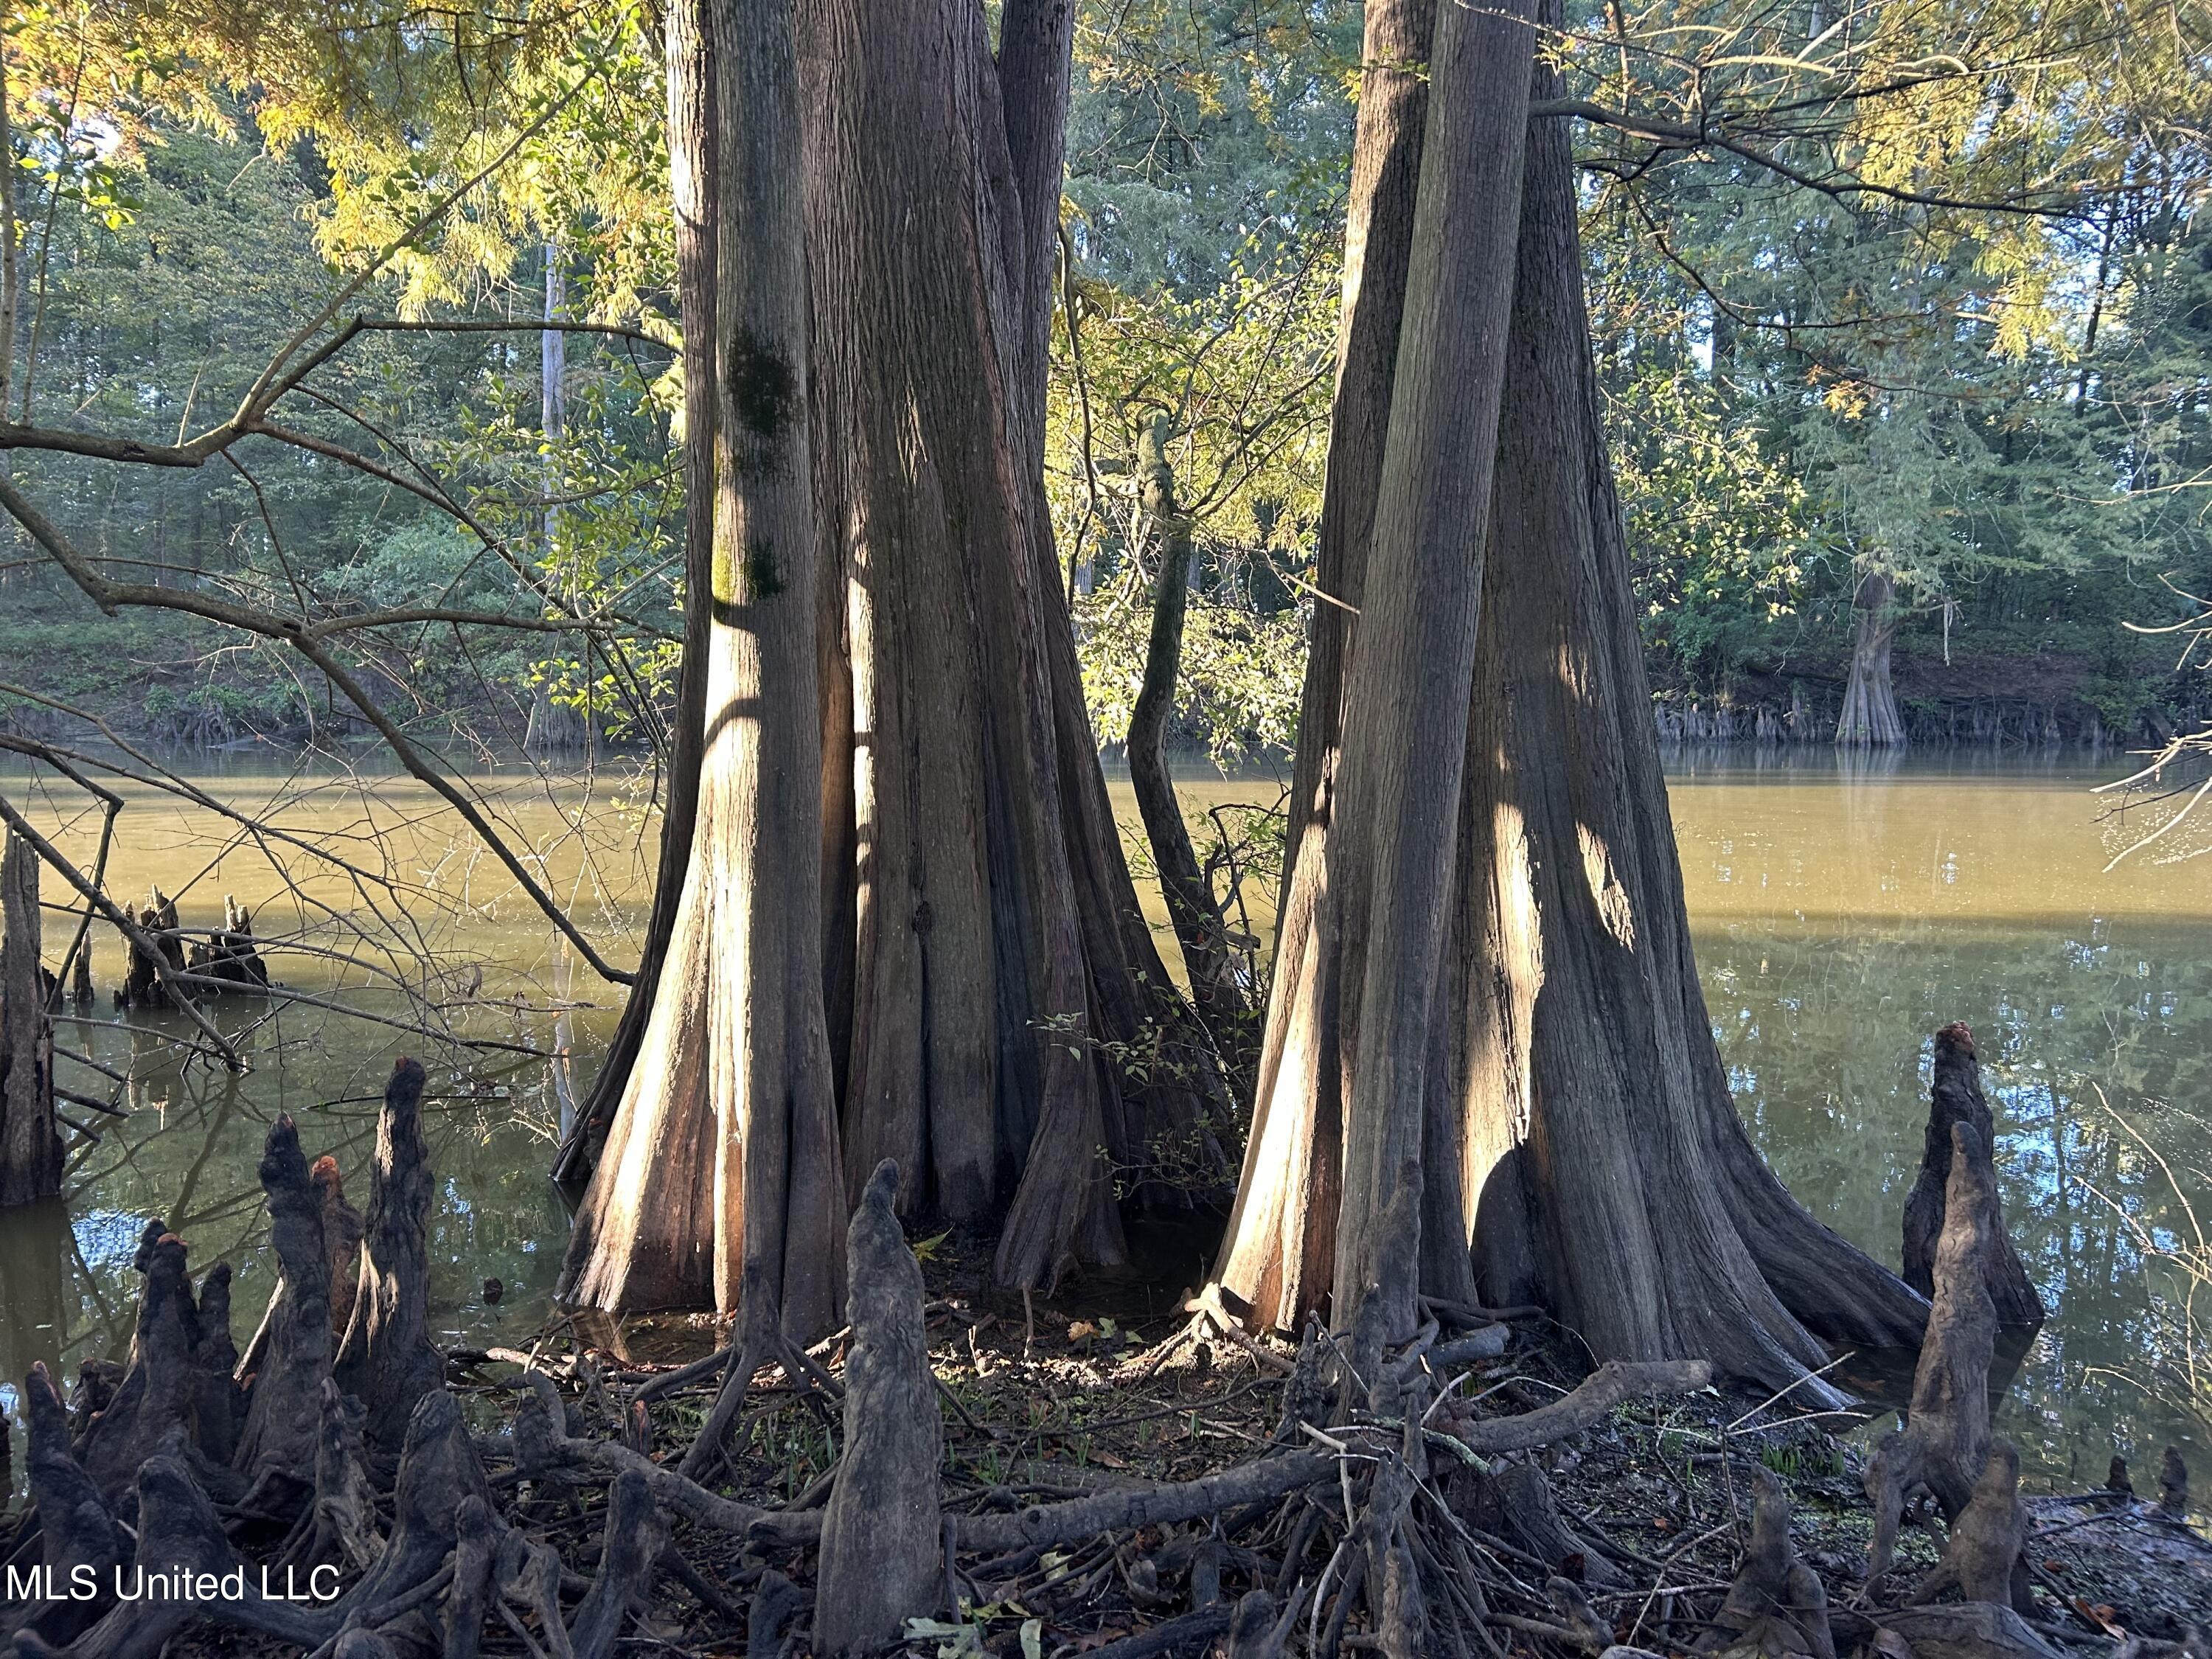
(1196, 129)
(1721, 527)
(1241, 376)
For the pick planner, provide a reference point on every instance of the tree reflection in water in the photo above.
(1841, 919)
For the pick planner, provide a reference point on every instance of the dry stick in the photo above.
(130, 930)
(1612, 1384)
(93, 1102)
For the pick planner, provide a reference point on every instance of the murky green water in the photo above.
(1840, 917)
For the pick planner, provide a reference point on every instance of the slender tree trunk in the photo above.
(1408, 686)
(1869, 714)
(1279, 1251)
(1216, 997)
(552, 388)
(693, 176)
(1595, 1160)
(737, 1050)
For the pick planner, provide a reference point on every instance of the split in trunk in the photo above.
(1406, 685)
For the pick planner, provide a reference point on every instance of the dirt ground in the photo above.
(1052, 1401)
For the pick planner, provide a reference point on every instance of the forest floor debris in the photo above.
(1104, 1485)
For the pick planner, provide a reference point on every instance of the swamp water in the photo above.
(1842, 912)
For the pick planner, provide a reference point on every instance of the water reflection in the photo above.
(1844, 907)
(187, 1151)
(1839, 918)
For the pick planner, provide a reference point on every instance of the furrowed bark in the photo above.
(1594, 1159)
(1280, 1249)
(1407, 690)
(972, 1043)
(721, 1179)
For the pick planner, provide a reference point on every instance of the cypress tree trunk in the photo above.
(1574, 1139)
(1407, 685)
(1599, 1162)
(1869, 715)
(1279, 1251)
(693, 174)
(967, 941)
(734, 1063)
(985, 959)
(30, 1138)
(999, 957)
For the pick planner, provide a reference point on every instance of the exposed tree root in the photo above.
(1956, 1097)
(881, 1537)
(1777, 1604)
(386, 1356)
(1945, 1441)
(1983, 1560)
(1373, 1520)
